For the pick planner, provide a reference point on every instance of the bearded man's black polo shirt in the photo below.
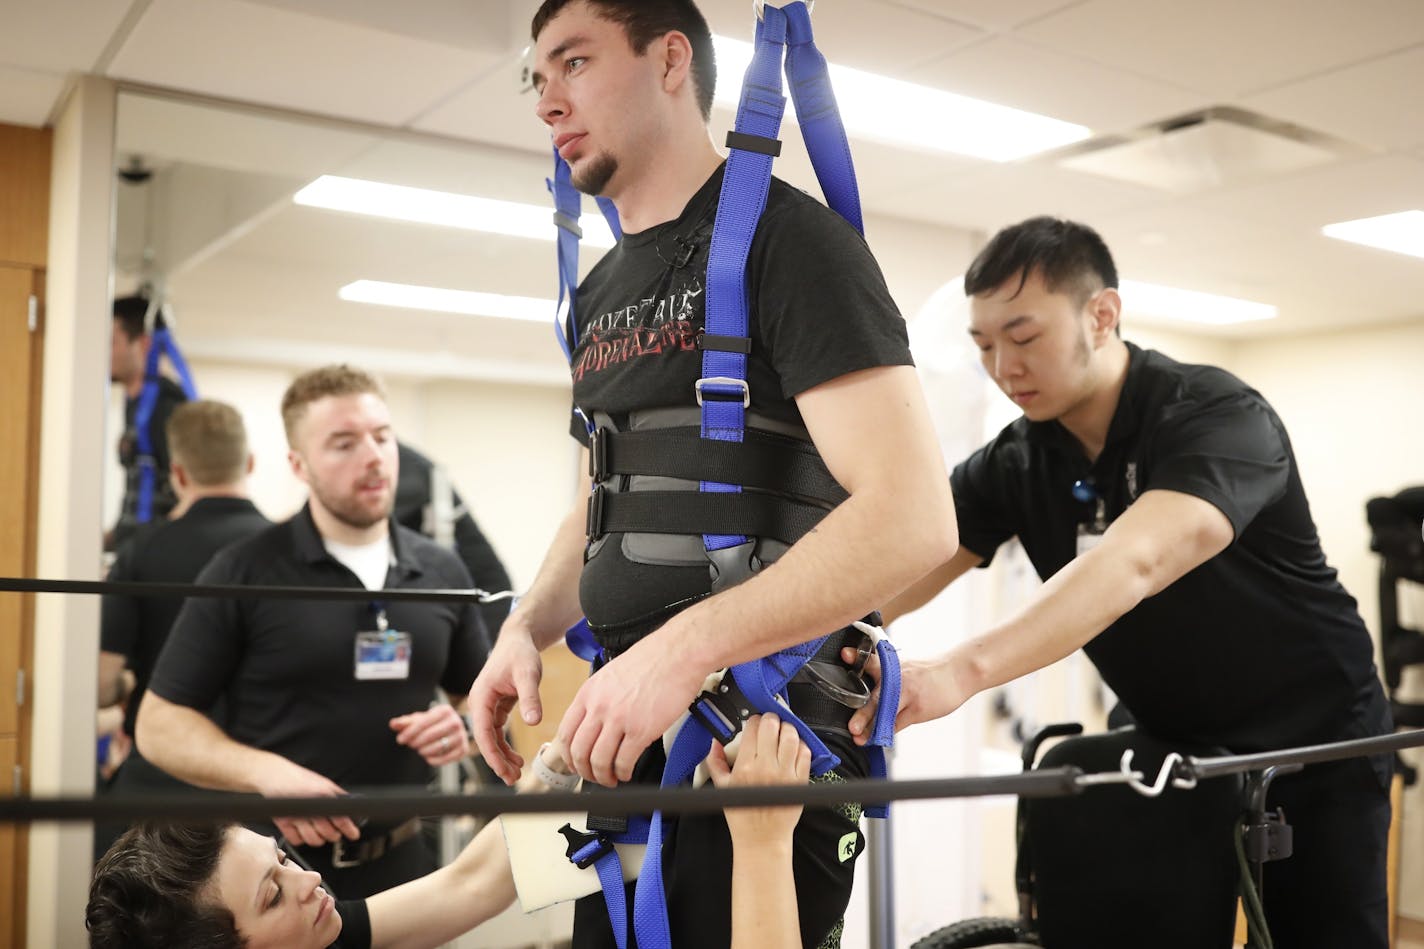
(286, 667)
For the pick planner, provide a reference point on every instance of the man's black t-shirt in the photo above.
(1256, 649)
(286, 668)
(170, 396)
(136, 627)
(818, 309)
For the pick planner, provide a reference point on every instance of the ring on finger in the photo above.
(444, 744)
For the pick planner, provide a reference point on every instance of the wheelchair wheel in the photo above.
(980, 932)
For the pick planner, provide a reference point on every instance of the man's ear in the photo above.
(251, 462)
(1105, 309)
(299, 467)
(177, 475)
(677, 60)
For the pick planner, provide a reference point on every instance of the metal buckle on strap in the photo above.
(365, 851)
(598, 454)
(722, 712)
(700, 387)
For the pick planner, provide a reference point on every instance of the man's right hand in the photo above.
(289, 779)
(511, 674)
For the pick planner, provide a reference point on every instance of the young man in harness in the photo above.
(1162, 506)
(626, 88)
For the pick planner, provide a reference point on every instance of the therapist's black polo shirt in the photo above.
(287, 667)
(1258, 648)
(175, 551)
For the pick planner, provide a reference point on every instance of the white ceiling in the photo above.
(446, 72)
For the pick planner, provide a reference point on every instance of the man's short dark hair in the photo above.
(154, 888)
(646, 20)
(1069, 257)
(130, 313)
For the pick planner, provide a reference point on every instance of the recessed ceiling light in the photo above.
(1402, 233)
(1189, 306)
(913, 116)
(442, 300)
(444, 208)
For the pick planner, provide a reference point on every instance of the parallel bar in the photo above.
(382, 805)
(231, 592)
(1191, 767)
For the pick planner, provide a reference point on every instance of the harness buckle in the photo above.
(598, 454)
(722, 712)
(593, 528)
(585, 847)
(700, 387)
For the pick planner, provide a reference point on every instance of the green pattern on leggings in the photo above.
(851, 812)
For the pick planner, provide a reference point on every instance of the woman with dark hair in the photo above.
(225, 887)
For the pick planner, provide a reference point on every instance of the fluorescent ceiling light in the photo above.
(1190, 306)
(907, 115)
(442, 300)
(445, 208)
(1402, 233)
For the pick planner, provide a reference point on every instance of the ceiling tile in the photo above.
(1365, 103)
(261, 54)
(1010, 72)
(1004, 194)
(1226, 48)
(994, 15)
(478, 25)
(26, 97)
(876, 36)
(59, 35)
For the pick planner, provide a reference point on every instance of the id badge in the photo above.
(1088, 538)
(1091, 535)
(382, 654)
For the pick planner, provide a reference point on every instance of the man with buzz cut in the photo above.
(322, 697)
(625, 89)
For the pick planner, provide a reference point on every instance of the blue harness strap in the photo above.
(723, 395)
(162, 345)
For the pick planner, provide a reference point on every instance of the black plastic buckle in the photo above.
(1272, 839)
(732, 565)
(579, 841)
(598, 455)
(593, 527)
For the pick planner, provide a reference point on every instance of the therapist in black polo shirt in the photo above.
(322, 698)
(1162, 505)
(209, 469)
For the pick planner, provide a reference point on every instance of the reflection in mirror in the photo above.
(254, 289)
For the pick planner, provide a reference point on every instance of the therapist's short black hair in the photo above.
(130, 312)
(1069, 257)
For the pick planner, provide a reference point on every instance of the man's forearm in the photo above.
(764, 912)
(867, 550)
(185, 743)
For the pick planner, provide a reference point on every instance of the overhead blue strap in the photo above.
(568, 209)
(722, 391)
(162, 344)
(816, 112)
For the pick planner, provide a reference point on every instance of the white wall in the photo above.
(505, 447)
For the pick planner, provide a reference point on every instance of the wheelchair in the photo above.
(1112, 869)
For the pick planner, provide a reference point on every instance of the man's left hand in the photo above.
(626, 706)
(438, 734)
